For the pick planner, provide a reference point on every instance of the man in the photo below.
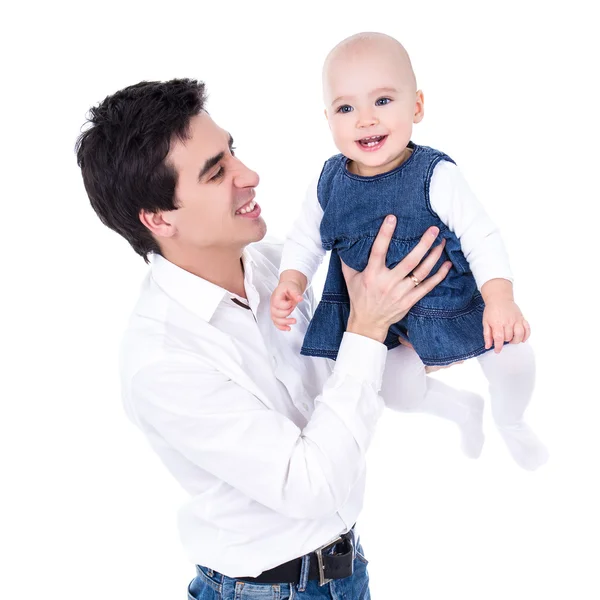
(270, 444)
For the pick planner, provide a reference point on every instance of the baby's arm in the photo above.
(302, 255)
(456, 205)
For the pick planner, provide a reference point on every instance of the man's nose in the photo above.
(245, 177)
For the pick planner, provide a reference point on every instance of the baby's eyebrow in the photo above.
(376, 92)
(384, 90)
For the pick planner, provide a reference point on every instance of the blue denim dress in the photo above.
(446, 325)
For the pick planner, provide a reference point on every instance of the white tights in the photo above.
(511, 377)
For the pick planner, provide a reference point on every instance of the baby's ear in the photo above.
(419, 107)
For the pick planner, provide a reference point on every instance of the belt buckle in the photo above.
(319, 553)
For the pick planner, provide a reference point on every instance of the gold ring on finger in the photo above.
(415, 280)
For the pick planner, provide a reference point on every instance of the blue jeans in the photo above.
(210, 585)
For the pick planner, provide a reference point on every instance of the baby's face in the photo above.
(371, 105)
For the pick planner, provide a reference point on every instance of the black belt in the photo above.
(334, 560)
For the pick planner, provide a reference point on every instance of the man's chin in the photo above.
(260, 232)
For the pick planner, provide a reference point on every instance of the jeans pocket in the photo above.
(206, 585)
(261, 591)
(359, 554)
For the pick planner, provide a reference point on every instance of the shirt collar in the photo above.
(199, 296)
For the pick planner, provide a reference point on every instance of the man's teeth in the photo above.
(248, 208)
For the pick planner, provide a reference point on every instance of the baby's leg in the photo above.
(511, 378)
(406, 388)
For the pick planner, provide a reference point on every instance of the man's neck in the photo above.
(223, 267)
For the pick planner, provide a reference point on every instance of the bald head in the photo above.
(379, 48)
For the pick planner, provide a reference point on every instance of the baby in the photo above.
(371, 103)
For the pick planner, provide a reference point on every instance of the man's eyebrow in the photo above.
(210, 163)
(213, 160)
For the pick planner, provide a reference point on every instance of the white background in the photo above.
(87, 510)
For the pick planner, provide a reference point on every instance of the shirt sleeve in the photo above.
(453, 201)
(303, 250)
(224, 429)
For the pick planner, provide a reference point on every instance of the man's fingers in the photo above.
(426, 286)
(382, 241)
(411, 261)
(424, 268)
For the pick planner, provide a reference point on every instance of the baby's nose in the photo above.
(367, 120)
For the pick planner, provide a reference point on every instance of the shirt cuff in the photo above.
(482, 278)
(362, 358)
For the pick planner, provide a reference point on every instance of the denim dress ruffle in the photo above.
(446, 325)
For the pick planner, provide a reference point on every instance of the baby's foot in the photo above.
(524, 446)
(471, 428)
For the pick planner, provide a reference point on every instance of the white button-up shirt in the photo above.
(269, 444)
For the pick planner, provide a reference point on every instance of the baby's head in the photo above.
(370, 91)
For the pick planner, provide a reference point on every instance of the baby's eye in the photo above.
(345, 108)
(382, 101)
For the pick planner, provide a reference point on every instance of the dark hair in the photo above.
(122, 154)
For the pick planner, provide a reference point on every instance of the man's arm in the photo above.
(224, 429)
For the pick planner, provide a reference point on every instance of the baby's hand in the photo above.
(503, 321)
(284, 300)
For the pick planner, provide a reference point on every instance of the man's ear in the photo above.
(159, 223)
(419, 107)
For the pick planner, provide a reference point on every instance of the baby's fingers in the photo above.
(519, 334)
(487, 335)
(527, 330)
(280, 313)
(283, 324)
(498, 335)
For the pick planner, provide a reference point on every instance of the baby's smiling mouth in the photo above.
(372, 142)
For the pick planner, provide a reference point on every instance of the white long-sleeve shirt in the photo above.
(450, 198)
(269, 444)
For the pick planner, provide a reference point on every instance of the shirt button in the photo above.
(305, 406)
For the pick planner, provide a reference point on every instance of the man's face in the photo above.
(215, 191)
(371, 105)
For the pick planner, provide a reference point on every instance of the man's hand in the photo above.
(380, 296)
(503, 321)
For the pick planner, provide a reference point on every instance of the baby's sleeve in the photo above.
(457, 206)
(303, 250)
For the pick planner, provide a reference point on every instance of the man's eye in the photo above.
(382, 101)
(345, 108)
(231, 149)
(218, 174)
